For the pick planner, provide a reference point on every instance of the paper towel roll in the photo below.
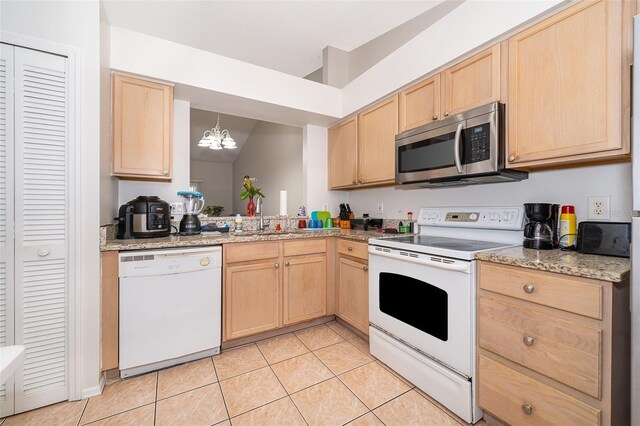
(283, 202)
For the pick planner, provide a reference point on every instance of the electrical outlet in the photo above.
(380, 208)
(599, 208)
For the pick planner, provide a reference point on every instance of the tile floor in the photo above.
(322, 375)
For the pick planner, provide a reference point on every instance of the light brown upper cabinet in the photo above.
(569, 87)
(362, 148)
(468, 84)
(343, 154)
(377, 129)
(142, 126)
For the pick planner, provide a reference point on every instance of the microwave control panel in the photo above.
(478, 143)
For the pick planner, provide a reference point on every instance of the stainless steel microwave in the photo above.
(466, 148)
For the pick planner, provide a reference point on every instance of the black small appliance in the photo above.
(604, 238)
(541, 230)
(144, 217)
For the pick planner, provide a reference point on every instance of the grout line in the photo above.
(81, 414)
(224, 401)
(155, 402)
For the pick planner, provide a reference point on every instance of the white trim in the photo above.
(74, 296)
(95, 390)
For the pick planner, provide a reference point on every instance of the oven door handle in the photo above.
(464, 267)
(456, 148)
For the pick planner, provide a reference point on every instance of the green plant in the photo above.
(213, 210)
(250, 191)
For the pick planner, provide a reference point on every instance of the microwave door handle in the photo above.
(456, 148)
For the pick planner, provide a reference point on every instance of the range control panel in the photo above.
(508, 218)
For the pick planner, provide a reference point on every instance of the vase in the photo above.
(251, 207)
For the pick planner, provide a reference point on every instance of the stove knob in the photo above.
(494, 216)
(433, 216)
(507, 217)
(473, 216)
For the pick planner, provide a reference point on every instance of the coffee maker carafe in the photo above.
(540, 232)
(192, 205)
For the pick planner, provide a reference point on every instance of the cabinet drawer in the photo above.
(562, 350)
(250, 251)
(545, 288)
(507, 394)
(352, 248)
(305, 246)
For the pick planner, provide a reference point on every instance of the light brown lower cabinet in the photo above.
(353, 284)
(268, 285)
(109, 311)
(552, 348)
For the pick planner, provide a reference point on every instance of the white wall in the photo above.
(315, 176)
(108, 184)
(77, 24)
(216, 185)
(568, 186)
(130, 189)
(272, 154)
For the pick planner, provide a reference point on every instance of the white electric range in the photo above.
(422, 298)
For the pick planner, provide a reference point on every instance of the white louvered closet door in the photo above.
(41, 226)
(6, 216)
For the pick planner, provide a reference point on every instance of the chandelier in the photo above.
(216, 139)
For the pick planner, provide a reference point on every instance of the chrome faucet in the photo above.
(259, 210)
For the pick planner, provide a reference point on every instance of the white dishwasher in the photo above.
(170, 307)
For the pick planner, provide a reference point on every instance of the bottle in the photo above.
(238, 222)
(567, 226)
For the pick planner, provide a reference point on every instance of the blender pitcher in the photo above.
(192, 203)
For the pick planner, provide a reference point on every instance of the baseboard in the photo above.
(94, 390)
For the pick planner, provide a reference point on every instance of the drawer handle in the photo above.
(276, 265)
(349, 248)
(527, 409)
(435, 117)
(528, 288)
(286, 263)
(527, 340)
(365, 268)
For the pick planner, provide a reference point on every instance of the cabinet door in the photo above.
(343, 154)
(251, 298)
(472, 83)
(353, 293)
(305, 288)
(420, 104)
(377, 129)
(142, 128)
(565, 87)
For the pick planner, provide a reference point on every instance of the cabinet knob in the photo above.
(527, 340)
(446, 114)
(359, 180)
(286, 263)
(528, 288)
(276, 265)
(355, 181)
(435, 117)
(165, 172)
(43, 252)
(527, 409)
(365, 268)
(349, 248)
(511, 158)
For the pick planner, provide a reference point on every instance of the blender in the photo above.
(192, 205)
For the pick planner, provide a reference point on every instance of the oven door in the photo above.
(426, 302)
(430, 154)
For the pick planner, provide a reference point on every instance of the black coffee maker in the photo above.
(541, 230)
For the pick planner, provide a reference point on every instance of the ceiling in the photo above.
(286, 36)
(239, 128)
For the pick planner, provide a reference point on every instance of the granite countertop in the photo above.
(208, 239)
(604, 268)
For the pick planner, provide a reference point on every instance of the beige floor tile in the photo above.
(439, 405)
(225, 423)
(281, 347)
(390, 370)
(318, 337)
(142, 416)
(121, 396)
(202, 406)
(301, 372)
(279, 413)
(63, 413)
(238, 361)
(412, 409)
(373, 384)
(342, 357)
(342, 330)
(368, 419)
(328, 403)
(185, 377)
(251, 390)
(361, 344)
